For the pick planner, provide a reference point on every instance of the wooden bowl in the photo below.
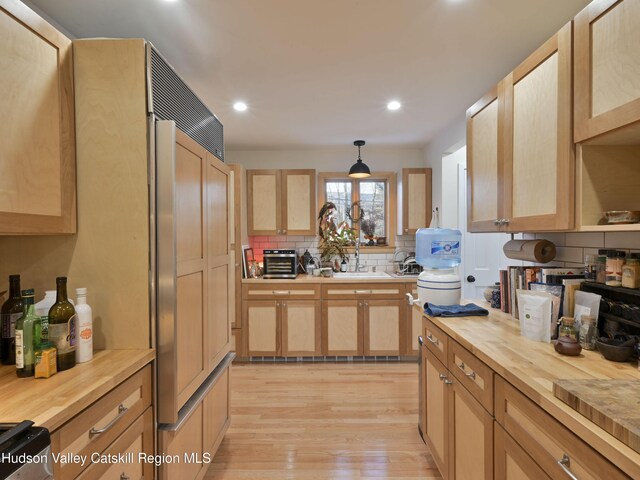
(613, 350)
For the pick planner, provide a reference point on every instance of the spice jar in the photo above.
(45, 358)
(567, 328)
(615, 261)
(631, 271)
(601, 266)
(588, 332)
(590, 263)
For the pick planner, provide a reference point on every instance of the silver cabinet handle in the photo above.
(281, 292)
(362, 292)
(442, 376)
(284, 231)
(124, 477)
(497, 221)
(565, 464)
(505, 221)
(366, 304)
(435, 341)
(121, 411)
(471, 375)
(448, 382)
(406, 230)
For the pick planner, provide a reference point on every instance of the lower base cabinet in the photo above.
(190, 444)
(511, 461)
(436, 429)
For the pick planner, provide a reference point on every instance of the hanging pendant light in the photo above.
(359, 169)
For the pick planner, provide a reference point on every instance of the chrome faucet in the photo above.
(357, 254)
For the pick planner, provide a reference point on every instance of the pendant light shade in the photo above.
(359, 169)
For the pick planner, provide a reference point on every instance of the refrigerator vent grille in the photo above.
(173, 100)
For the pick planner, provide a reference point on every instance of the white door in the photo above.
(482, 256)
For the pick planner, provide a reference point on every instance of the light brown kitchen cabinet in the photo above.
(485, 162)
(342, 327)
(301, 328)
(416, 199)
(459, 428)
(553, 447)
(381, 326)
(262, 327)
(521, 169)
(511, 461)
(240, 236)
(281, 202)
(607, 68)
(37, 151)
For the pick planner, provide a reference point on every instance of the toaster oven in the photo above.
(280, 264)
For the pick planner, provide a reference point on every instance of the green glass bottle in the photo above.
(28, 332)
(62, 327)
(11, 311)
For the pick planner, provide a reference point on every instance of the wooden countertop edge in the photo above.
(624, 457)
(57, 415)
(301, 279)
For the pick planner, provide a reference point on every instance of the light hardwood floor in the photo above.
(323, 421)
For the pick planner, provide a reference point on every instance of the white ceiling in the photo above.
(320, 72)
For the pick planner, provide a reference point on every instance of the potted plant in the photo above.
(368, 228)
(334, 239)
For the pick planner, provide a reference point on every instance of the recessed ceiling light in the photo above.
(394, 105)
(239, 106)
(170, 1)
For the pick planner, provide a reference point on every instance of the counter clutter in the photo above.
(484, 352)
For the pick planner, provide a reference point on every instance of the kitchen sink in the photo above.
(361, 275)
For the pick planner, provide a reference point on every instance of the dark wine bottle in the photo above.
(11, 311)
(28, 332)
(62, 327)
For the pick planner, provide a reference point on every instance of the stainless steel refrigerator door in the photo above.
(167, 382)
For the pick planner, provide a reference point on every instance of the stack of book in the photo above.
(519, 278)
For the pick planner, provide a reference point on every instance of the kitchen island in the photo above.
(500, 385)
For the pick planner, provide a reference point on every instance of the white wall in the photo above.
(381, 159)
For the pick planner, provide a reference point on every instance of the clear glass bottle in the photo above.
(601, 266)
(28, 332)
(615, 261)
(42, 310)
(11, 311)
(62, 327)
(588, 332)
(590, 262)
(567, 328)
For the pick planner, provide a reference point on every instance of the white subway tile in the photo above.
(622, 240)
(558, 238)
(569, 254)
(584, 239)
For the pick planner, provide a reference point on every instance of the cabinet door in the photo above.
(261, 324)
(470, 436)
(216, 413)
(263, 206)
(188, 438)
(539, 163)
(511, 461)
(416, 199)
(437, 426)
(382, 320)
(607, 67)
(220, 260)
(191, 264)
(37, 151)
(342, 327)
(298, 202)
(485, 158)
(301, 328)
(413, 324)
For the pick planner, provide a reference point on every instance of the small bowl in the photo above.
(622, 216)
(613, 350)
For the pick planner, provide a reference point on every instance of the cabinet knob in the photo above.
(406, 230)
(471, 279)
(442, 376)
(284, 232)
(497, 221)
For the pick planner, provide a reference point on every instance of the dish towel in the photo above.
(468, 310)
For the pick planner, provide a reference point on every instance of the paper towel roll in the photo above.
(540, 251)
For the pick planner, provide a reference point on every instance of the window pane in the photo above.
(373, 202)
(340, 194)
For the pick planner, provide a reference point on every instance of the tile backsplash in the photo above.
(382, 261)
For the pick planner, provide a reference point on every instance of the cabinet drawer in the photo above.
(346, 291)
(472, 373)
(122, 457)
(435, 340)
(281, 291)
(547, 440)
(95, 428)
(511, 461)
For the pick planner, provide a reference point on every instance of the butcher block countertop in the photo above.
(533, 367)
(50, 402)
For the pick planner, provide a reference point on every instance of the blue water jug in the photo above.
(438, 247)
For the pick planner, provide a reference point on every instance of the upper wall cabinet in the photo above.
(485, 158)
(520, 151)
(416, 199)
(37, 143)
(281, 202)
(607, 67)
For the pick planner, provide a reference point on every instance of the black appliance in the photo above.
(280, 264)
(25, 451)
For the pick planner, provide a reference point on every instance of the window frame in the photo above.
(391, 205)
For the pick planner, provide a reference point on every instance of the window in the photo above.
(376, 196)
